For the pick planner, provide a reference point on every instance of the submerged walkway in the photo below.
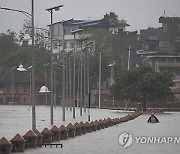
(106, 140)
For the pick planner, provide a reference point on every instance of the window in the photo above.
(153, 38)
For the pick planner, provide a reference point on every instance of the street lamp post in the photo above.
(112, 74)
(88, 87)
(56, 8)
(30, 16)
(129, 55)
(74, 66)
(30, 85)
(100, 80)
(33, 72)
(88, 47)
(63, 82)
(12, 97)
(45, 66)
(70, 85)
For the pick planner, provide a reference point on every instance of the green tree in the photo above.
(41, 35)
(143, 85)
(110, 18)
(8, 42)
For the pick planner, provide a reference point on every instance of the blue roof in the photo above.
(86, 23)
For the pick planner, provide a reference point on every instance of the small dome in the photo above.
(26, 37)
(44, 89)
(21, 68)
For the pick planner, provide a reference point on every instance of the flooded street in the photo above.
(17, 119)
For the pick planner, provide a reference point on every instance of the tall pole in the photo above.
(30, 88)
(81, 98)
(70, 85)
(31, 17)
(67, 84)
(46, 80)
(99, 79)
(63, 82)
(129, 55)
(33, 72)
(74, 76)
(84, 81)
(51, 109)
(113, 80)
(55, 102)
(74, 67)
(50, 10)
(88, 88)
(78, 82)
(12, 99)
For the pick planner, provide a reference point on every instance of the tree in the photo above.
(8, 42)
(143, 85)
(41, 35)
(110, 19)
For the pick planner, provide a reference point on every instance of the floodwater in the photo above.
(17, 119)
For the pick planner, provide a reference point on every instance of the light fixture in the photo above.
(44, 89)
(21, 68)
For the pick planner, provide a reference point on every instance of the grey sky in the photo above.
(138, 13)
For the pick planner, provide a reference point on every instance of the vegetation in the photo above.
(110, 18)
(12, 54)
(143, 85)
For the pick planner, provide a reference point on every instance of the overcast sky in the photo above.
(139, 14)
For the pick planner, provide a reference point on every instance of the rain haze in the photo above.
(140, 14)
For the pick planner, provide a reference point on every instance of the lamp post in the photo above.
(21, 69)
(30, 85)
(74, 65)
(88, 47)
(70, 85)
(63, 60)
(30, 16)
(112, 74)
(45, 67)
(33, 72)
(129, 55)
(56, 8)
(100, 80)
(12, 97)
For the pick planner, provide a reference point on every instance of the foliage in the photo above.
(8, 42)
(110, 19)
(12, 54)
(41, 35)
(143, 85)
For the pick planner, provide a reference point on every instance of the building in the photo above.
(62, 32)
(165, 38)
(15, 87)
(161, 46)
